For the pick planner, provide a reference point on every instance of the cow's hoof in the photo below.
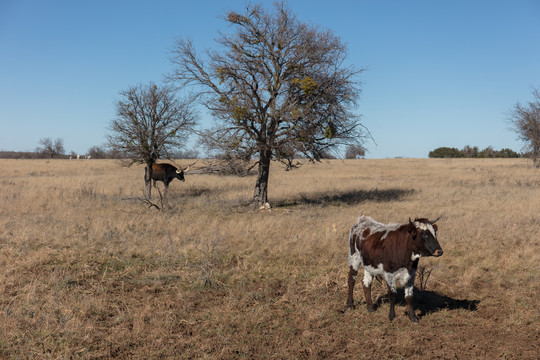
(350, 307)
(413, 318)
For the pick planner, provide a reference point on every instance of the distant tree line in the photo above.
(473, 152)
(49, 149)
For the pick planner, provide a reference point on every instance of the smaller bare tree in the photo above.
(50, 148)
(525, 121)
(150, 123)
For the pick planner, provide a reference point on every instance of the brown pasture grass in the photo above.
(88, 270)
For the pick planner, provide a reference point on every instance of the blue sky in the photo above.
(438, 73)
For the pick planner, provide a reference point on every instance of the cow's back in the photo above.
(162, 171)
(364, 223)
(367, 234)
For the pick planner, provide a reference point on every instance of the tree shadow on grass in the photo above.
(426, 302)
(348, 197)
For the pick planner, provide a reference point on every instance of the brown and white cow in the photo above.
(390, 250)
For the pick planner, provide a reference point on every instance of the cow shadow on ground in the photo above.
(348, 197)
(426, 302)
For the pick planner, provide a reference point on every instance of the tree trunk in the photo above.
(260, 195)
(148, 181)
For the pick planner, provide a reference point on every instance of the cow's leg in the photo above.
(390, 282)
(352, 280)
(368, 280)
(412, 315)
(166, 188)
(409, 297)
(392, 297)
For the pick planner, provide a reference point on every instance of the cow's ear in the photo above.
(412, 229)
(435, 227)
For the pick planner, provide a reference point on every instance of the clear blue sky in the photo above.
(439, 73)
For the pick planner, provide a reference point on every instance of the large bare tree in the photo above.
(276, 86)
(150, 122)
(525, 121)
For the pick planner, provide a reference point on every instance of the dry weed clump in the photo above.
(87, 270)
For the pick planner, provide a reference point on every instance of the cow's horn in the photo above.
(190, 165)
(178, 171)
(434, 221)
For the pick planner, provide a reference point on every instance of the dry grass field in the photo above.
(88, 271)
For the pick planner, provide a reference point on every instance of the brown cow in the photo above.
(391, 250)
(166, 173)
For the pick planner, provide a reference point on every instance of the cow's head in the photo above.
(424, 234)
(180, 174)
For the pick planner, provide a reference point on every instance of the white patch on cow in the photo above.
(403, 276)
(368, 278)
(365, 222)
(391, 281)
(355, 260)
(415, 256)
(374, 271)
(409, 291)
(410, 285)
(370, 272)
(400, 276)
(389, 228)
(427, 227)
